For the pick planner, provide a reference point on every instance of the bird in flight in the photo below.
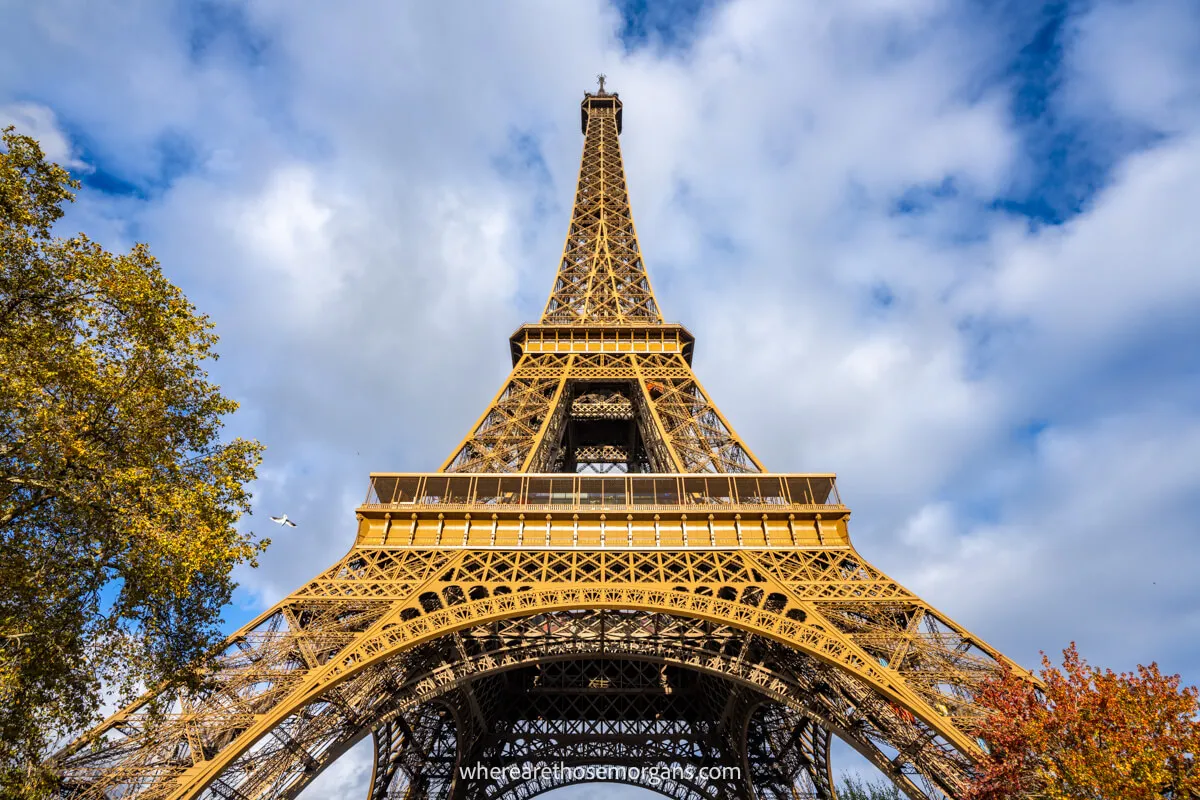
(283, 520)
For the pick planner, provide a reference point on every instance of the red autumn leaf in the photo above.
(1089, 734)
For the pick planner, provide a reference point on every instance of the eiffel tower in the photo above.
(602, 581)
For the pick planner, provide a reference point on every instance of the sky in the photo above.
(947, 250)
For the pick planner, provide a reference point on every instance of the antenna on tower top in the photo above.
(600, 79)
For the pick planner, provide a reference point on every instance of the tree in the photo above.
(852, 788)
(118, 497)
(1089, 734)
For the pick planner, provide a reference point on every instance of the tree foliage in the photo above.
(1091, 734)
(118, 497)
(854, 788)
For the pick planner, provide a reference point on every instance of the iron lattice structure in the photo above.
(601, 574)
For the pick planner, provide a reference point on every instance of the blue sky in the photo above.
(945, 249)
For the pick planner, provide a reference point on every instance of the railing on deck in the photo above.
(565, 491)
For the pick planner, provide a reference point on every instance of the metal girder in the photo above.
(696, 611)
(732, 640)
(601, 277)
(684, 430)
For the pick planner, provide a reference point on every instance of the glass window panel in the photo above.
(510, 490)
(643, 491)
(747, 490)
(539, 491)
(435, 489)
(822, 488)
(406, 489)
(591, 491)
(383, 489)
(720, 490)
(487, 490)
(562, 491)
(771, 489)
(458, 490)
(666, 491)
(695, 490)
(799, 490)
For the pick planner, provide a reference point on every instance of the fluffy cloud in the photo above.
(841, 200)
(39, 122)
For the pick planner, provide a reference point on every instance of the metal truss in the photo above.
(601, 278)
(332, 661)
(680, 427)
(684, 609)
(788, 754)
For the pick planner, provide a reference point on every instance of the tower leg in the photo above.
(416, 754)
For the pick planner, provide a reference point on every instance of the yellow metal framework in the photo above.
(601, 574)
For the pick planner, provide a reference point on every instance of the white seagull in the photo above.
(283, 521)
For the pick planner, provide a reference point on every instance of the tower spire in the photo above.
(602, 383)
(601, 278)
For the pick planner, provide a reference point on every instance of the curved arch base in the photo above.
(681, 733)
(386, 631)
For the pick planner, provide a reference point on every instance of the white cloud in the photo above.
(1096, 546)
(285, 229)
(40, 122)
(1137, 61)
(349, 776)
(1130, 258)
